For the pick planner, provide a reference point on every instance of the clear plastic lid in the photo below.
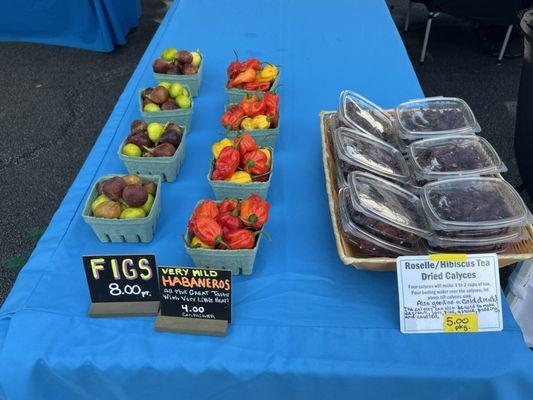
(387, 202)
(512, 235)
(355, 111)
(473, 203)
(366, 242)
(435, 116)
(453, 156)
(365, 152)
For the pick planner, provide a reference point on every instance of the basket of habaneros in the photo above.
(250, 77)
(226, 234)
(240, 168)
(258, 116)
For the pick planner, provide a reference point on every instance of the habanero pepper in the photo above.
(228, 205)
(248, 124)
(261, 121)
(240, 239)
(226, 163)
(254, 211)
(269, 73)
(207, 208)
(252, 63)
(240, 177)
(208, 230)
(232, 118)
(258, 86)
(229, 222)
(252, 106)
(271, 101)
(255, 162)
(245, 143)
(245, 77)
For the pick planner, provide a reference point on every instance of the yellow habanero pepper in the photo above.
(240, 177)
(196, 243)
(247, 123)
(267, 153)
(261, 122)
(217, 147)
(269, 73)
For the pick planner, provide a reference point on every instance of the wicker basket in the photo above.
(235, 95)
(167, 168)
(348, 254)
(192, 81)
(124, 230)
(231, 190)
(263, 137)
(237, 261)
(180, 116)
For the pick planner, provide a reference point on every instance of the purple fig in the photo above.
(138, 126)
(113, 187)
(171, 126)
(164, 150)
(140, 139)
(169, 105)
(161, 66)
(159, 95)
(172, 137)
(146, 92)
(151, 187)
(147, 101)
(189, 69)
(184, 57)
(174, 69)
(135, 195)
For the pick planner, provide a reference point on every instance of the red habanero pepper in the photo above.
(258, 86)
(252, 63)
(229, 221)
(232, 118)
(271, 101)
(255, 162)
(240, 239)
(207, 208)
(208, 230)
(254, 211)
(233, 69)
(228, 205)
(243, 78)
(226, 164)
(245, 143)
(252, 106)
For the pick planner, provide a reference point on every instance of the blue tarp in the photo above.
(304, 325)
(89, 24)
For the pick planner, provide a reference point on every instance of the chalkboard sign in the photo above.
(194, 300)
(122, 285)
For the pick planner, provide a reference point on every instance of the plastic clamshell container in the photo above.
(180, 116)
(167, 168)
(117, 230)
(453, 156)
(232, 190)
(435, 116)
(364, 241)
(235, 95)
(357, 112)
(263, 137)
(237, 261)
(473, 204)
(512, 235)
(387, 202)
(356, 151)
(192, 81)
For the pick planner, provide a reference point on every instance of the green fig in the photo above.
(132, 212)
(131, 150)
(148, 205)
(183, 101)
(96, 202)
(151, 107)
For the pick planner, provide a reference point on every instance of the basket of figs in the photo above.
(180, 66)
(167, 102)
(124, 208)
(154, 149)
(240, 168)
(226, 234)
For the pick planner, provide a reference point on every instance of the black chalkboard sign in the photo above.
(122, 285)
(194, 300)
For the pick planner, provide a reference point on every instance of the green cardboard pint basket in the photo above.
(167, 168)
(263, 137)
(231, 190)
(192, 81)
(180, 116)
(235, 95)
(117, 230)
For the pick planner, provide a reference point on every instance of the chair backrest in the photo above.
(500, 12)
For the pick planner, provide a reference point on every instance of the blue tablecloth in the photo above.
(89, 24)
(304, 325)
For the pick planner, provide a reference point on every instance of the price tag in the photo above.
(194, 300)
(449, 293)
(122, 285)
(460, 323)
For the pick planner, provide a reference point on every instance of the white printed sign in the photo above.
(449, 293)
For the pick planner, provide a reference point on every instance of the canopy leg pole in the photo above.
(407, 16)
(505, 41)
(426, 37)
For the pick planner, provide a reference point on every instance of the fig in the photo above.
(133, 179)
(135, 195)
(99, 200)
(169, 105)
(161, 66)
(140, 139)
(113, 187)
(133, 212)
(189, 69)
(172, 137)
(171, 126)
(174, 69)
(152, 107)
(149, 203)
(138, 126)
(151, 187)
(163, 150)
(146, 92)
(184, 57)
(131, 150)
(147, 101)
(108, 209)
(159, 95)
